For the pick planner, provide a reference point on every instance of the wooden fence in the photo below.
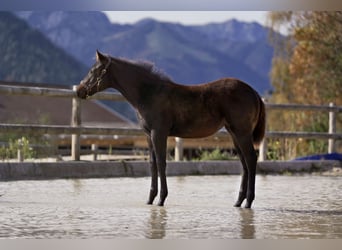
(76, 129)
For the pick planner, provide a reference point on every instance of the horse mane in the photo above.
(148, 67)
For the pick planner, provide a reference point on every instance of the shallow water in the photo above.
(197, 207)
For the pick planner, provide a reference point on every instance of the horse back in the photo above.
(201, 110)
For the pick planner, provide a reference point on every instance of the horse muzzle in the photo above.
(81, 91)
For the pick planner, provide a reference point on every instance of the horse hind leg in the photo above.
(248, 158)
(244, 178)
(154, 173)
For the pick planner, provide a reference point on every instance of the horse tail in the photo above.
(259, 130)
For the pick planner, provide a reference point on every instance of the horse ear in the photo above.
(100, 57)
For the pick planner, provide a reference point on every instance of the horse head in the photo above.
(97, 79)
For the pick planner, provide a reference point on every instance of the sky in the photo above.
(187, 17)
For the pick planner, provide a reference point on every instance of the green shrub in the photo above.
(11, 150)
(215, 155)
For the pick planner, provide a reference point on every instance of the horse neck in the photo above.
(131, 83)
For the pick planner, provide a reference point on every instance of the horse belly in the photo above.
(196, 129)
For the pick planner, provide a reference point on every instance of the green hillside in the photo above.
(28, 56)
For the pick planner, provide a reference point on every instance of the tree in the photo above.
(306, 69)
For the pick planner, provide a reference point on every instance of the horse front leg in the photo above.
(154, 173)
(159, 142)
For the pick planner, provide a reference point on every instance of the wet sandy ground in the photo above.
(305, 206)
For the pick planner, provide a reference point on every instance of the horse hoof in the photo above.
(238, 203)
(248, 205)
(161, 203)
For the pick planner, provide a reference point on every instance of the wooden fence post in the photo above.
(75, 122)
(20, 153)
(94, 151)
(263, 143)
(179, 149)
(263, 150)
(332, 129)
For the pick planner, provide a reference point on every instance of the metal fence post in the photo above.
(332, 129)
(75, 122)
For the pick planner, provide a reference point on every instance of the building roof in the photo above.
(56, 111)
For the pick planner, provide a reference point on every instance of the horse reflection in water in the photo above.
(167, 109)
(157, 223)
(247, 224)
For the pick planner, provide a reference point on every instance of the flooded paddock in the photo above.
(307, 206)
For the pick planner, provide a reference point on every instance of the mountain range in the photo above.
(188, 54)
(28, 56)
(58, 47)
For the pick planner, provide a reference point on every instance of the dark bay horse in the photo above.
(168, 109)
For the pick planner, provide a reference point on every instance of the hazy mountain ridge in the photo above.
(189, 54)
(28, 56)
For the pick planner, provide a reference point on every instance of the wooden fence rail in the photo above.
(76, 128)
(61, 129)
(53, 92)
(64, 129)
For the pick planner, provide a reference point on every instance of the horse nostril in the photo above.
(81, 93)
